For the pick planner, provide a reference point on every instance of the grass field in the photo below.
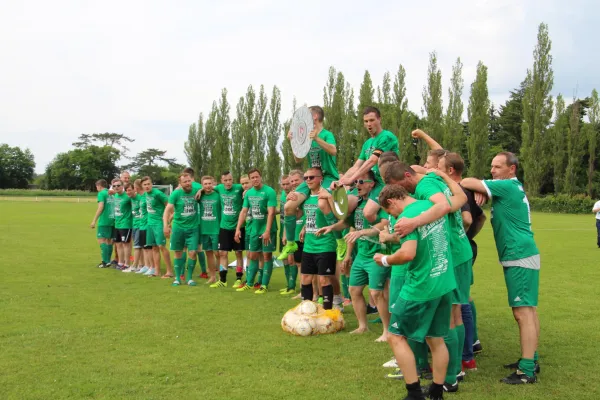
(70, 331)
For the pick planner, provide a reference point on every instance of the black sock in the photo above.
(223, 275)
(307, 292)
(414, 390)
(238, 275)
(436, 391)
(328, 297)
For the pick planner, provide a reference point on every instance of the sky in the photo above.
(148, 68)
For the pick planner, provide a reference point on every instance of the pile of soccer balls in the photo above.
(309, 318)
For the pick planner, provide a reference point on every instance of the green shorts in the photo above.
(105, 232)
(256, 244)
(522, 285)
(303, 187)
(366, 271)
(247, 241)
(184, 238)
(209, 242)
(396, 283)
(463, 274)
(374, 194)
(155, 236)
(417, 320)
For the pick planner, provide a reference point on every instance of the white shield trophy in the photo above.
(302, 125)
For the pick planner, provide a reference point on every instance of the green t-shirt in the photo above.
(231, 205)
(397, 270)
(384, 141)
(143, 212)
(282, 200)
(135, 211)
(431, 184)
(430, 274)
(185, 206)
(155, 205)
(366, 246)
(123, 216)
(315, 219)
(299, 225)
(107, 217)
(511, 219)
(258, 201)
(318, 157)
(210, 213)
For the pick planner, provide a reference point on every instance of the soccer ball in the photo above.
(303, 327)
(289, 321)
(308, 308)
(324, 325)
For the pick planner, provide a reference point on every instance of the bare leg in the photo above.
(156, 259)
(528, 329)
(167, 258)
(223, 259)
(360, 308)
(440, 358)
(210, 263)
(382, 306)
(404, 357)
(126, 253)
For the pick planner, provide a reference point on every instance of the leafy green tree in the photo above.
(273, 129)
(348, 146)
(236, 140)
(403, 117)
(510, 119)
(80, 168)
(153, 163)
(537, 112)
(16, 167)
(560, 133)
(592, 136)
(479, 121)
(246, 125)
(117, 140)
(259, 131)
(210, 139)
(196, 152)
(453, 129)
(334, 104)
(432, 105)
(365, 99)
(575, 147)
(220, 156)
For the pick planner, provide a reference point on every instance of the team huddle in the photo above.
(408, 235)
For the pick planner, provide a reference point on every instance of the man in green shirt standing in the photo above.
(422, 310)
(105, 219)
(260, 201)
(292, 264)
(322, 154)
(156, 201)
(123, 225)
(231, 205)
(210, 220)
(184, 234)
(518, 254)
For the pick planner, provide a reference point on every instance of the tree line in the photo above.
(556, 143)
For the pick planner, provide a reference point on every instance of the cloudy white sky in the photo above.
(147, 68)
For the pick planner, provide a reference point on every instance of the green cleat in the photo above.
(320, 300)
(340, 251)
(238, 284)
(286, 292)
(397, 374)
(262, 290)
(218, 284)
(289, 248)
(191, 283)
(244, 288)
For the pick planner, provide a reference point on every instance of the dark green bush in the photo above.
(563, 203)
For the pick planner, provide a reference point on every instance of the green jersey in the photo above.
(397, 270)
(315, 219)
(282, 200)
(318, 158)
(366, 246)
(431, 184)
(384, 141)
(155, 205)
(299, 225)
(258, 201)
(143, 212)
(210, 213)
(511, 219)
(430, 274)
(185, 207)
(107, 217)
(123, 216)
(135, 211)
(231, 205)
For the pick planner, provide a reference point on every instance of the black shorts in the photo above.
(298, 253)
(227, 240)
(318, 264)
(122, 235)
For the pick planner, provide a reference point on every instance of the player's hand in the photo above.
(480, 198)
(344, 182)
(386, 236)
(324, 231)
(353, 236)
(266, 237)
(313, 134)
(93, 224)
(417, 134)
(292, 196)
(377, 258)
(419, 170)
(290, 135)
(404, 226)
(198, 195)
(325, 195)
(238, 236)
(167, 231)
(111, 191)
(302, 235)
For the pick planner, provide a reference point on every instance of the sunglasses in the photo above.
(361, 181)
(117, 185)
(311, 177)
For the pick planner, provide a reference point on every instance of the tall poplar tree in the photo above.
(432, 105)
(273, 165)
(479, 121)
(453, 128)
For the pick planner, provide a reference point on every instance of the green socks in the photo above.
(268, 271)
(536, 356)
(109, 252)
(184, 257)
(191, 264)
(527, 366)
(475, 335)
(286, 270)
(451, 340)
(103, 252)
(460, 333)
(420, 350)
(251, 272)
(289, 222)
(202, 261)
(346, 286)
(261, 271)
(179, 266)
(293, 277)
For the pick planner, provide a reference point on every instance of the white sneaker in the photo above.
(142, 270)
(150, 272)
(391, 364)
(128, 270)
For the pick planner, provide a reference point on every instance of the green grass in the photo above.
(45, 193)
(72, 331)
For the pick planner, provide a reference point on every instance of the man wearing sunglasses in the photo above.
(322, 154)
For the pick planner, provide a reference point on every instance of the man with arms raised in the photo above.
(261, 200)
(421, 312)
(322, 154)
(156, 202)
(519, 256)
(105, 219)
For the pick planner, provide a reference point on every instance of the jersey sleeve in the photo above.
(386, 142)
(272, 198)
(363, 153)
(173, 197)
(329, 138)
(246, 203)
(411, 236)
(101, 197)
(498, 187)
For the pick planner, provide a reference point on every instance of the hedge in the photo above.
(563, 203)
(45, 193)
